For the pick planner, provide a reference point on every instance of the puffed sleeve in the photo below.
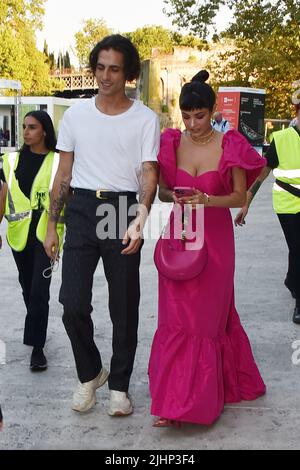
(237, 152)
(169, 141)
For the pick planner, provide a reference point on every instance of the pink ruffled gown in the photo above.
(201, 357)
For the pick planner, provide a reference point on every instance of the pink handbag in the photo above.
(177, 263)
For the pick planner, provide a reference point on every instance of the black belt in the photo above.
(104, 194)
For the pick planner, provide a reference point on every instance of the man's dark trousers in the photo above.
(82, 252)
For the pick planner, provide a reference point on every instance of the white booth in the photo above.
(10, 115)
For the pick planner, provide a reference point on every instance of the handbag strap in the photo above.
(288, 187)
(184, 221)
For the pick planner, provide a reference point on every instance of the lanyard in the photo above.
(54, 264)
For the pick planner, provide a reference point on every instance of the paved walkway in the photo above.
(37, 406)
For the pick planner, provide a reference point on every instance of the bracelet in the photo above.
(207, 197)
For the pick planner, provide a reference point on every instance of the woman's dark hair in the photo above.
(47, 125)
(197, 94)
(132, 62)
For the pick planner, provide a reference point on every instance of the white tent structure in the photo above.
(16, 86)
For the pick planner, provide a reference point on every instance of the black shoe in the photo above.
(289, 288)
(296, 315)
(38, 361)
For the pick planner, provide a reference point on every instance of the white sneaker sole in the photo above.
(119, 413)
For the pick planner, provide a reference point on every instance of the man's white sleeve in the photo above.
(151, 140)
(65, 141)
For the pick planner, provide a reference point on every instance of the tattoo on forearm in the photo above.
(147, 191)
(143, 195)
(254, 188)
(57, 204)
(150, 166)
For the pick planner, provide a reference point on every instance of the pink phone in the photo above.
(183, 191)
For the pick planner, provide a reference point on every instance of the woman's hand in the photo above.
(240, 217)
(196, 199)
(176, 199)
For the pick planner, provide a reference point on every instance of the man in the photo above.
(105, 144)
(283, 158)
(294, 122)
(220, 124)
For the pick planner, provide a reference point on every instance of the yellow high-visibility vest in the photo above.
(287, 144)
(18, 208)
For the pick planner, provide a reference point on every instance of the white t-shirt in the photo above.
(222, 126)
(109, 150)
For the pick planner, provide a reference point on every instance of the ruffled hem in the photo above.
(191, 378)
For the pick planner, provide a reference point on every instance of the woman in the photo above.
(201, 357)
(24, 201)
(283, 157)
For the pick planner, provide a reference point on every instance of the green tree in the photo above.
(149, 37)
(59, 63)
(254, 19)
(16, 13)
(261, 45)
(19, 57)
(45, 49)
(265, 51)
(63, 61)
(188, 41)
(52, 61)
(50, 58)
(93, 31)
(67, 60)
(195, 16)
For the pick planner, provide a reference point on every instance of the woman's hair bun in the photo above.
(201, 76)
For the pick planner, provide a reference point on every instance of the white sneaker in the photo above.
(120, 404)
(84, 397)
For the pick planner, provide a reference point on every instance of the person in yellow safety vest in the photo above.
(283, 158)
(27, 177)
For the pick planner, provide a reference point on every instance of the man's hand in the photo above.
(51, 243)
(133, 237)
(240, 217)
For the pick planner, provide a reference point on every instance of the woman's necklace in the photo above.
(202, 140)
